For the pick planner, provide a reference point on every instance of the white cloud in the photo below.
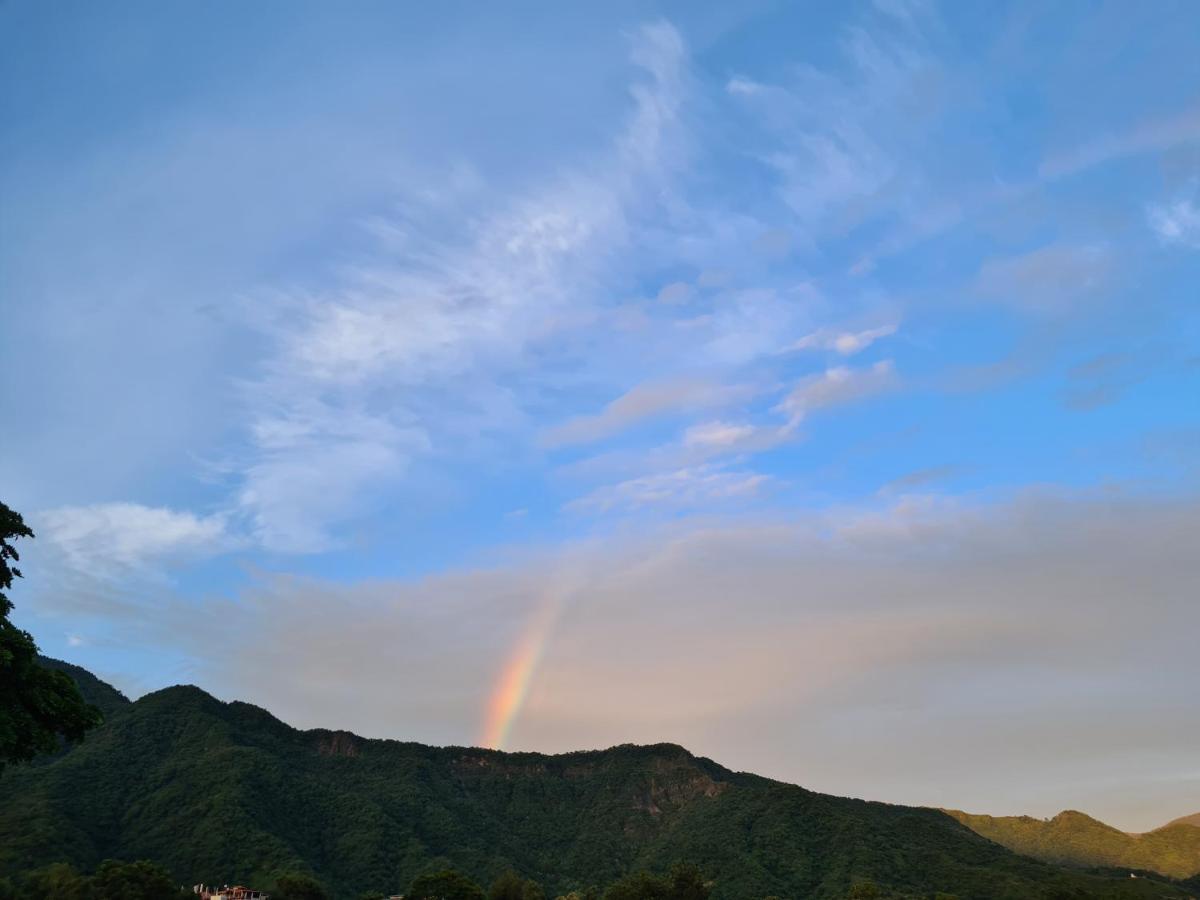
(835, 387)
(642, 402)
(104, 539)
(841, 137)
(1145, 137)
(739, 84)
(408, 354)
(1178, 222)
(681, 472)
(1051, 279)
(847, 343)
(702, 485)
(719, 435)
(920, 478)
(675, 292)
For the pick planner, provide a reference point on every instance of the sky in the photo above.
(814, 385)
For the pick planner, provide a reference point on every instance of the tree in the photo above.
(511, 886)
(57, 881)
(865, 890)
(38, 706)
(444, 885)
(297, 886)
(684, 883)
(141, 880)
(687, 883)
(638, 886)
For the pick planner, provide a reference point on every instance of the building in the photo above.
(228, 892)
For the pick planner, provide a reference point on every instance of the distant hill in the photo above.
(99, 693)
(225, 792)
(1193, 820)
(1072, 838)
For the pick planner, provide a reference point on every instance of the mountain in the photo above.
(1071, 838)
(226, 792)
(1193, 819)
(98, 693)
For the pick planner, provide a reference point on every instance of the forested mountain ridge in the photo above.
(226, 792)
(1072, 838)
(100, 694)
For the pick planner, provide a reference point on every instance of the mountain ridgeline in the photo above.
(224, 792)
(1074, 839)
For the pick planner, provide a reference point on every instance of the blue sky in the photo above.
(730, 336)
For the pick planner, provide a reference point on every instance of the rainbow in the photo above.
(512, 685)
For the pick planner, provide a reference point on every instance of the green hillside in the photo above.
(1071, 838)
(225, 792)
(99, 694)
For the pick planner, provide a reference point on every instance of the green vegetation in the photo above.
(511, 886)
(684, 883)
(297, 886)
(95, 692)
(444, 885)
(224, 792)
(1073, 839)
(39, 707)
(113, 880)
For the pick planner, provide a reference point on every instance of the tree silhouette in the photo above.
(38, 706)
(444, 885)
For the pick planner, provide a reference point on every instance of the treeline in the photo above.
(143, 880)
(113, 879)
(683, 883)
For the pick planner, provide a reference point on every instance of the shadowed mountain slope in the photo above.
(225, 792)
(98, 693)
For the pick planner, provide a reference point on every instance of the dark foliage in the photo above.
(684, 883)
(297, 886)
(132, 881)
(39, 707)
(511, 886)
(444, 885)
(113, 880)
(99, 694)
(224, 792)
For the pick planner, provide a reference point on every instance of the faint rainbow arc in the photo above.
(511, 687)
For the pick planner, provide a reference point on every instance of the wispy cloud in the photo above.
(646, 401)
(1178, 222)
(835, 387)
(847, 343)
(920, 478)
(718, 434)
(840, 136)
(109, 539)
(1049, 280)
(1145, 137)
(702, 485)
(675, 292)
(366, 376)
